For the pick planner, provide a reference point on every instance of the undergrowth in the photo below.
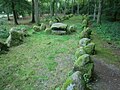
(109, 31)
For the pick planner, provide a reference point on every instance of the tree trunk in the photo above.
(8, 17)
(99, 12)
(14, 13)
(56, 10)
(88, 7)
(36, 9)
(52, 7)
(72, 7)
(78, 8)
(115, 16)
(94, 15)
(33, 17)
(65, 7)
(115, 11)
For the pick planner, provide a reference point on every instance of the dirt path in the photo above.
(107, 76)
(57, 77)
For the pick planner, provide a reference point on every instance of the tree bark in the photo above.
(36, 9)
(52, 7)
(115, 16)
(14, 13)
(65, 7)
(78, 8)
(8, 17)
(33, 14)
(99, 12)
(56, 6)
(72, 7)
(94, 15)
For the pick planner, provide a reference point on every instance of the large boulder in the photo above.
(85, 65)
(15, 37)
(75, 82)
(79, 52)
(85, 33)
(84, 41)
(59, 32)
(59, 27)
(90, 48)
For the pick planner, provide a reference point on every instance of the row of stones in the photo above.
(84, 65)
(55, 27)
(17, 35)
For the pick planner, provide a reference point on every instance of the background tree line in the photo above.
(109, 9)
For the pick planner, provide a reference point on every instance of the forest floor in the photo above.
(44, 61)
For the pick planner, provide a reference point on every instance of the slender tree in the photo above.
(33, 12)
(95, 9)
(14, 12)
(36, 9)
(99, 12)
(52, 7)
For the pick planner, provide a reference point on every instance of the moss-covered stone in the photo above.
(85, 65)
(71, 28)
(50, 23)
(59, 26)
(84, 41)
(88, 75)
(59, 32)
(84, 23)
(90, 48)
(43, 26)
(79, 52)
(48, 30)
(75, 82)
(36, 28)
(71, 15)
(85, 33)
(15, 38)
(57, 19)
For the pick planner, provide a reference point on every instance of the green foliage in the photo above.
(67, 83)
(4, 33)
(109, 31)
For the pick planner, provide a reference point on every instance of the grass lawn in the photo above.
(42, 62)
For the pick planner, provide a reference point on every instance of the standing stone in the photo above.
(15, 37)
(85, 65)
(85, 33)
(84, 41)
(80, 51)
(50, 23)
(42, 27)
(90, 48)
(48, 30)
(75, 82)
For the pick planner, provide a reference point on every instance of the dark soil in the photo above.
(107, 76)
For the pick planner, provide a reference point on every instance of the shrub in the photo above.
(4, 32)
